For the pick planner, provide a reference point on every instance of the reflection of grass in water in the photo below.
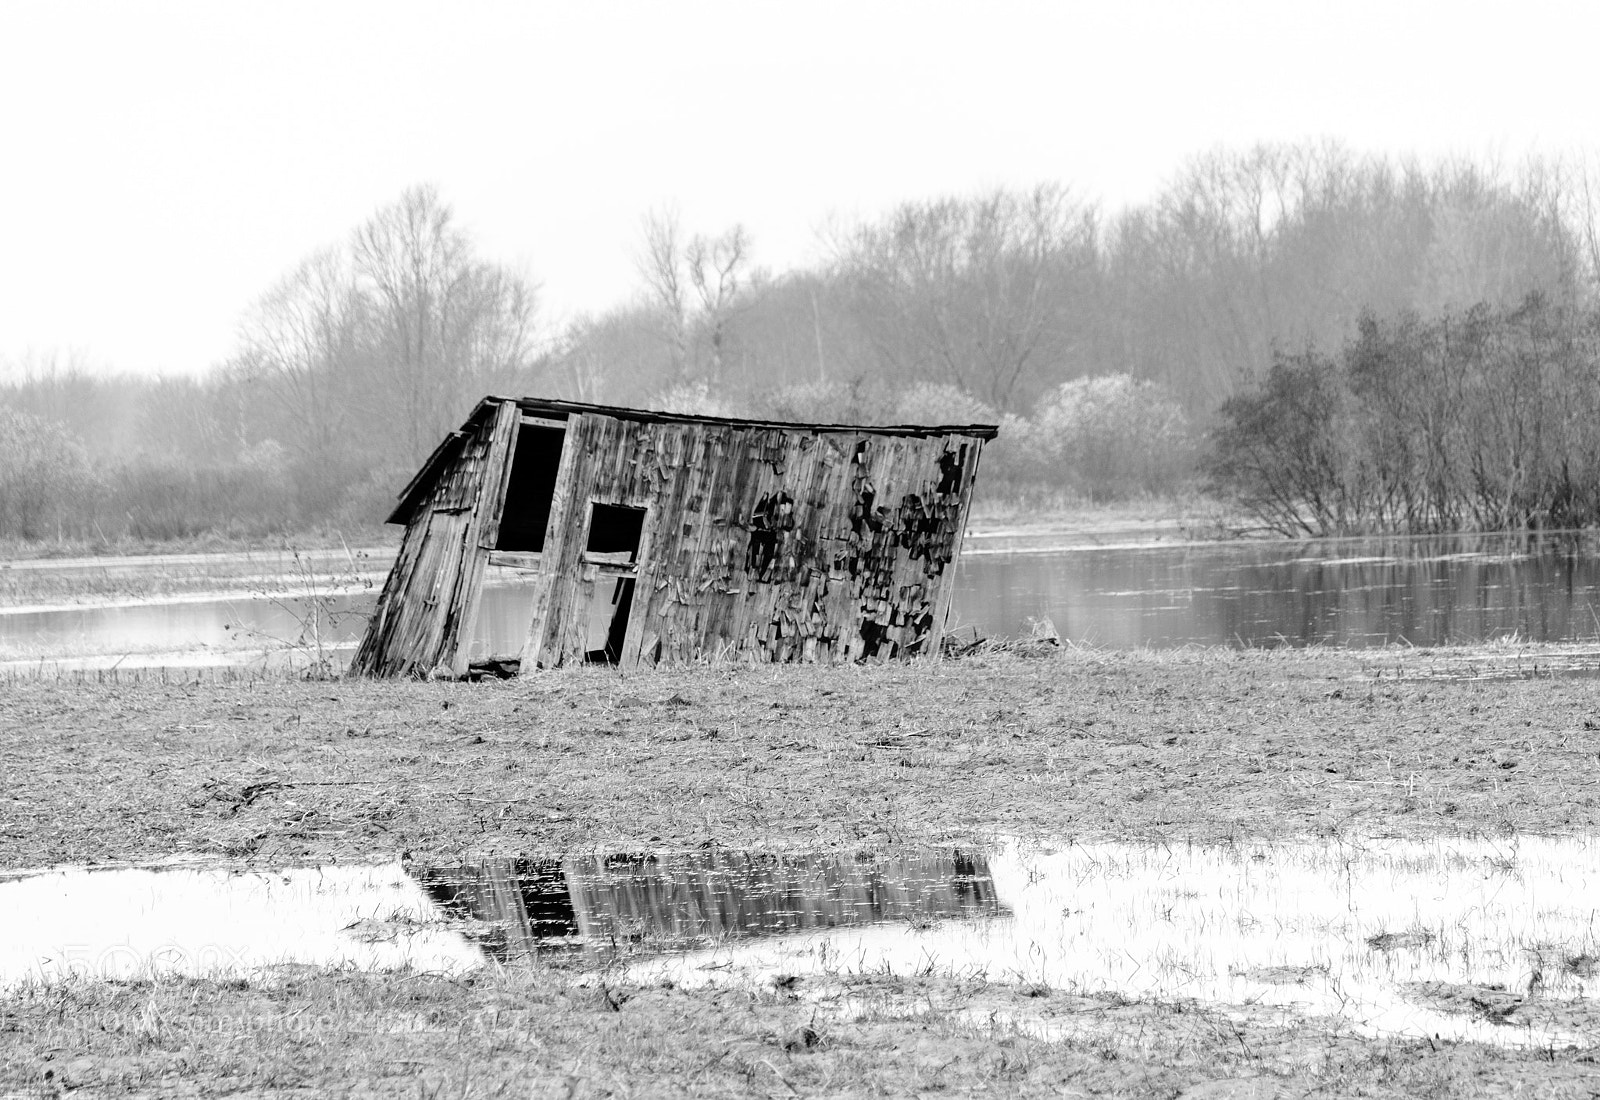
(1341, 930)
(1449, 912)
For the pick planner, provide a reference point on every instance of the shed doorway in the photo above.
(609, 608)
(612, 550)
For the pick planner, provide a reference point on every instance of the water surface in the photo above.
(1343, 592)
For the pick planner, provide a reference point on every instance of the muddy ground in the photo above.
(1195, 744)
(538, 1034)
(1205, 745)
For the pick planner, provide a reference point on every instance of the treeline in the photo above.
(1113, 348)
(1008, 295)
(1487, 419)
(347, 373)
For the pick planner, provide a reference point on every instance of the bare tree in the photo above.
(300, 343)
(661, 266)
(715, 268)
(695, 287)
(441, 322)
(972, 291)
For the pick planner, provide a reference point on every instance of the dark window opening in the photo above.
(533, 487)
(608, 620)
(875, 639)
(614, 533)
(773, 516)
(950, 467)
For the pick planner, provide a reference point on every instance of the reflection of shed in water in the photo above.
(679, 899)
(652, 537)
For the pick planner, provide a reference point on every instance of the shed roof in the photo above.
(425, 478)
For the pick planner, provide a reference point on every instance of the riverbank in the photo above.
(1152, 521)
(29, 586)
(207, 545)
(46, 576)
(1211, 746)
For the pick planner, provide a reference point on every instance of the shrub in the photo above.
(1285, 451)
(162, 497)
(1484, 419)
(810, 403)
(937, 403)
(44, 477)
(1111, 436)
(692, 399)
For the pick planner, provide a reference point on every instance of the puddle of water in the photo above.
(1439, 938)
(139, 922)
(1455, 938)
(126, 922)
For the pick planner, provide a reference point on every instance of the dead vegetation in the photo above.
(1041, 741)
(1034, 740)
(541, 1032)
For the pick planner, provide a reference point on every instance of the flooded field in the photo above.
(1343, 592)
(1450, 938)
(1421, 591)
(186, 632)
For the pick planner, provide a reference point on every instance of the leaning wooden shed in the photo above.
(551, 532)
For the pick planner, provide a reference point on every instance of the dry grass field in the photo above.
(1204, 745)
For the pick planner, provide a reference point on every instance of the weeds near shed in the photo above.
(317, 602)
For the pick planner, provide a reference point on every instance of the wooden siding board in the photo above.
(656, 611)
(547, 609)
(477, 541)
(375, 654)
(493, 502)
(569, 590)
(418, 603)
(946, 593)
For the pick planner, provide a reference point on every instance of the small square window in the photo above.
(614, 533)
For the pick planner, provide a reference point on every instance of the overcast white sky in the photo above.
(162, 164)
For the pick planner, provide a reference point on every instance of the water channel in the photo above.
(1345, 592)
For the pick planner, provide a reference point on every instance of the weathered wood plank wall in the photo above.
(789, 544)
(777, 542)
(424, 613)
